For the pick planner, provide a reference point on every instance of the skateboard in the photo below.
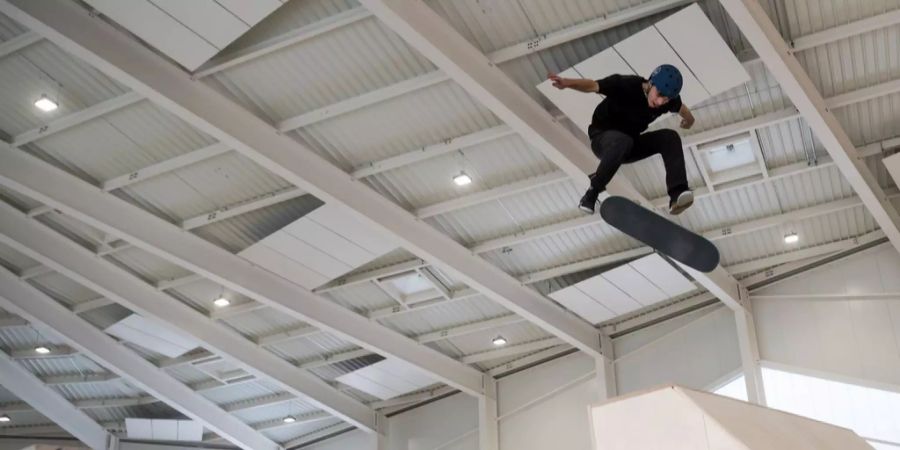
(664, 236)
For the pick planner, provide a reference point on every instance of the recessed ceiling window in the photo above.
(729, 155)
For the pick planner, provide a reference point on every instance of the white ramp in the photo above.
(677, 418)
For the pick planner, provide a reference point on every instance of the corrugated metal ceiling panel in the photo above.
(810, 16)
(501, 162)
(402, 124)
(441, 317)
(289, 17)
(205, 187)
(44, 68)
(358, 59)
(814, 231)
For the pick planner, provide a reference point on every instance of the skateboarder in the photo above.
(617, 129)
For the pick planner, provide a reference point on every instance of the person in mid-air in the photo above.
(617, 129)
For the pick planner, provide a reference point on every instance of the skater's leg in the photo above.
(668, 144)
(612, 147)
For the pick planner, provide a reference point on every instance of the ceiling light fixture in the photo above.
(462, 179)
(221, 302)
(289, 419)
(499, 341)
(791, 238)
(5, 418)
(45, 104)
(41, 350)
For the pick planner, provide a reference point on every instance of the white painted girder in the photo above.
(48, 184)
(111, 281)
(129, 62)
(48, 402)
(28, 302)
(759, 30)
(431, 35)
(18, 43)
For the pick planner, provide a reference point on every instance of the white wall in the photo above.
(694, 355)
(546, 407)
(854, 338)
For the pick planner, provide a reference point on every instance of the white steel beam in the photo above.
(315, 436)
(488, 195)
(334, 358)
(606, 370)
(811, 252)
(7, 321)
(59, 380)
(76, 118)
(511, 350)
(34, 272)
(18, 43)
(293, 37)
(111, 281)
(413, 398)
(463, 330)
(370, 98)
(92, 403)
(52, 404)
(106, 212)
(798, 264)
(426, 31)
(432, 151)
(749, 125)
(168, 165)
(498, 57)
(35, 306)
(488, 423)
(230, 211)
(284, 336)
(91, 305)
(748, 346)
(759, 30)
(844, 31)
(138, 67)
(533, 358)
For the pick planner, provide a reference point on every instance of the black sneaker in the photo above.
(589, 201)
(681, 203)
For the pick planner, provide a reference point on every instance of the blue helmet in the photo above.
(667, 79)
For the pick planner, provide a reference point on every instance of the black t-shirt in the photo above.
(625, 107)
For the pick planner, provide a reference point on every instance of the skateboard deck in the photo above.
(666, 237)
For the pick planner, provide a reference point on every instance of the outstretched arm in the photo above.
(579, 84)
(687, 119)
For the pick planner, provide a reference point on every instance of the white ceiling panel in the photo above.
(387, 379)
(663, 275)
(634, 284)
(648, 49)
(582, 304)
(608, 295)
(696, 41)
(279, 264)
(341, 221)
(158, 28)
(602, 65)
(579, 106)
(152, 336)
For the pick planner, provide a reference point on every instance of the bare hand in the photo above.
(558, 82)
(687, 123)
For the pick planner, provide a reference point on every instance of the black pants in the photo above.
(615, 148)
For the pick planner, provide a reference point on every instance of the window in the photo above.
(871, 413)
(729, 155)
